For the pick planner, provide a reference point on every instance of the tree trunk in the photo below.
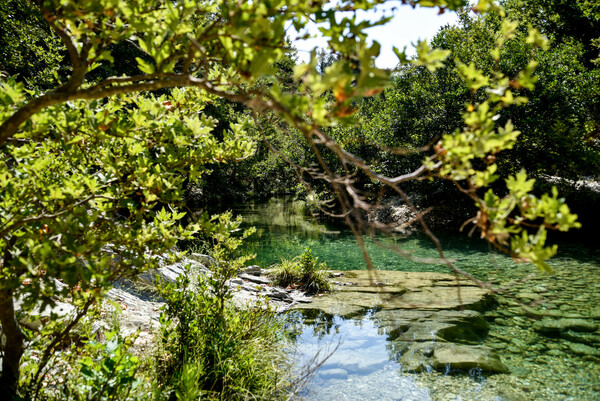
(13, 348)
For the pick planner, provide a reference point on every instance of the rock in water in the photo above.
(401, 290)
(584, 350)
(467, 357)
(555, 326)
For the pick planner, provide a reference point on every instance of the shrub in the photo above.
(221, 353)
(87, 369)
(210, 347)
(304, 272)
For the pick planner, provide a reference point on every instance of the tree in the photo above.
(28, 48)
(92, 170)
(559, 121)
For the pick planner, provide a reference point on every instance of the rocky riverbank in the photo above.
(140, 306)
(431, 320)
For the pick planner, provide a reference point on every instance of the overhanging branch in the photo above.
(128, 85)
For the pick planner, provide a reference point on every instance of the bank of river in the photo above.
(545, 363)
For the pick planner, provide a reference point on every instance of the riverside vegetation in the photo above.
(304, 272)
(117, 118)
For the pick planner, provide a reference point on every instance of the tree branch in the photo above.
(101, 90)
(43, 216)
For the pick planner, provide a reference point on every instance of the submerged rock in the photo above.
(554, 326)
(424, 356)
(584, 350)
(584, 338)
(446, 325)
(467, 357)
(415, 357)
(401, 290)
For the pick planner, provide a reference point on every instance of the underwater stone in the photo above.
(518, 343)
(551, 326)
(584, 338)
(416, 357)
(555, 352)
(402, 291)
(465, 357)
(582, 349)
(414, 325)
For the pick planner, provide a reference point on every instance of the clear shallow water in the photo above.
(357, 364)
(542, 367)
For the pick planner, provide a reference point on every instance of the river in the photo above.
(561, 365)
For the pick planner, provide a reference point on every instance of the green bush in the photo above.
(110, 373)
(211, 348)
(88, 369)
(304, 272)
(220, 353)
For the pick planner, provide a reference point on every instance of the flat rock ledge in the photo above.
(431, 320)
(357, 290)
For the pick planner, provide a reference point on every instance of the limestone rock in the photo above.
(584, 350)
(401, 290)
(423, 356)
(584, 338)
(449, 325)
(255, 278)
(415, 357)
(170, 272)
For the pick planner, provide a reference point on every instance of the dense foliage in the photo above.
(29, 49)
(558, 122)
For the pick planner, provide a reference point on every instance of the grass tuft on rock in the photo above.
(302, 272)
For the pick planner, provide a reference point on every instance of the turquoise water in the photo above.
(542, 367)
(285, 231)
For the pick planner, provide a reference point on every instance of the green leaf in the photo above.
(145, 66)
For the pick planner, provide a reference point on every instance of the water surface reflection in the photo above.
(358, 366)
